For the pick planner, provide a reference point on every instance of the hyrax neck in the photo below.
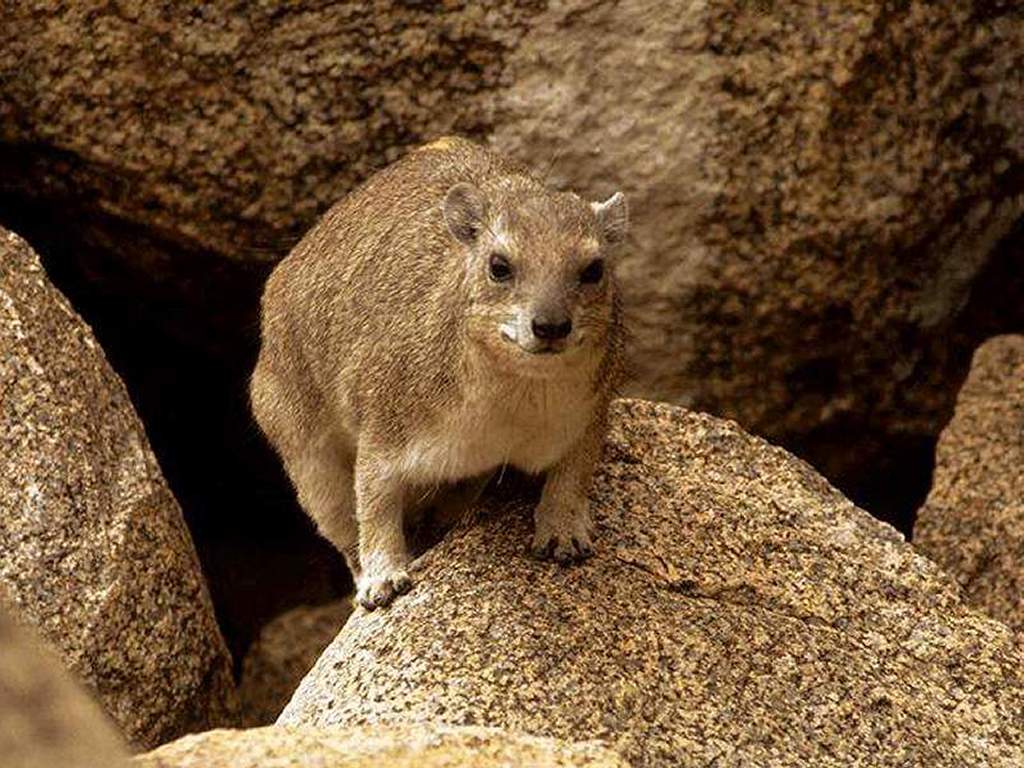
(504, 419)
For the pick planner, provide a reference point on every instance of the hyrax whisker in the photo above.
(451, 317)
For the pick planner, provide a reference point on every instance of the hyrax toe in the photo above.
(379, 591)
(563, 548)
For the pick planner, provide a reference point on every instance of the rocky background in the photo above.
(828, 206)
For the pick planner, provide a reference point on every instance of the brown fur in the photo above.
(392, 361)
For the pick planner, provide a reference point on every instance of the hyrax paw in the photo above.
(377, 591)
(562, 546)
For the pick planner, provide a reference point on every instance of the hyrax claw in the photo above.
(561, 548)
(378, 592)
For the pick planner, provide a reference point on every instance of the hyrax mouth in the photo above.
(535, 348)
(543, 349)
(547, 349)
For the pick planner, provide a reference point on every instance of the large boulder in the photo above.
(818, 187)
(415, 746)
(739, 611)
(95, 552)
(286, 649)
(973, 521)
(816, 190)
(46, 719)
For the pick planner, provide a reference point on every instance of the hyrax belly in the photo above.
(529, 429)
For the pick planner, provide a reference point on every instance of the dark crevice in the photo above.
(890, 474)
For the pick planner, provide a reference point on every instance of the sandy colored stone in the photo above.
(229, 128)
(286, 649)
(973, 521)
(95, 552)
(811, 202)
(816, 186)
(739, 611)
(46, 719)
(413, 746)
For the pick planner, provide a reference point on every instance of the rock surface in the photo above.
(95, 552)
(46, 719)
(416, 746)
(739, 611)
(817, 186)
(973, 521)
(284, 652)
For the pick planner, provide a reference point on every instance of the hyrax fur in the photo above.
(450, 316)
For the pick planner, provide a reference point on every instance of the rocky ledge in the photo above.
(740, 611)
(409, 746)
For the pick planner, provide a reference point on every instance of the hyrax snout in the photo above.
(451, 316)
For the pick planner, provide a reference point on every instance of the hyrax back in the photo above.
(450, 316)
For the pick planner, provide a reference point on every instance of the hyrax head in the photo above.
(538, 271)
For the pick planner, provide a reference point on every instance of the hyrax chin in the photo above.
(450, 316)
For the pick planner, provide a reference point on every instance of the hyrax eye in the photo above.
(592, 273)
(498, 268)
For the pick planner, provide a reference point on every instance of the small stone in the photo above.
(286, 649)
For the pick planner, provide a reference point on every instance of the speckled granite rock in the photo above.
(415, 746)
(46, 720)
(740, 611)
(973, 521)
(284, 652)
(95, 551)
(816, 186)
(230, 128)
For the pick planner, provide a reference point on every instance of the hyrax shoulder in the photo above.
(450, 316)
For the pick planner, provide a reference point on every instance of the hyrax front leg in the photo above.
(562, 526)
(380, 496)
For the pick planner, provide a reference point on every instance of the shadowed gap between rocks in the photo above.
(182, 330)
(894, 481)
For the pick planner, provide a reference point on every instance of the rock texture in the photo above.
(739, 611)
(817, 186)
(417, 746)
(973, 521)
(228, 128)
(46, 720)
(95, 552)
(284, 652)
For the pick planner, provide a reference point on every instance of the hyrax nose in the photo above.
(543, 328)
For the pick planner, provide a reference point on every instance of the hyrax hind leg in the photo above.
(315, 459)
(322, 474)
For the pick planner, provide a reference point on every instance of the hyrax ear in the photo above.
(464, 212)
(613, 217)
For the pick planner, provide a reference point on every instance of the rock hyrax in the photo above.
(450, 316)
